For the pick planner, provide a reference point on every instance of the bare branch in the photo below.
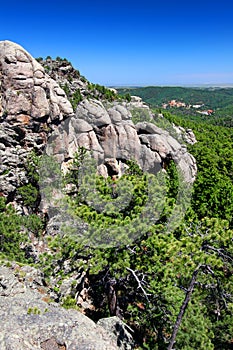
(207, 267)
(130, 249)
(139, 283)
(221, 252)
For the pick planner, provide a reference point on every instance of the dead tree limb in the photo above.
(184, 305)
(139, 283)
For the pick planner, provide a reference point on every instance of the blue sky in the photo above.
(129, 42)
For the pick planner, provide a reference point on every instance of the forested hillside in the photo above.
(163, 273)
(212, 97)
(220, 100)
(152, 249)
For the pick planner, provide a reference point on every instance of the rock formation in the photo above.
(32, 106)
(30, 103)
(27, 93)
(109, 132)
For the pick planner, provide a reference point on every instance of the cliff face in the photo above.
(30, 103)
(34, 109)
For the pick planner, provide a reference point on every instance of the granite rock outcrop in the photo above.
(34, 110)
(31, 105)
(30, 321)
(107, 129)
(27, 92)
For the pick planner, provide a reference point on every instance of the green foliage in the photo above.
(69, 302)
(134, 168)
(196, 331)
(29, 194)
(213, 188)
(33, 311)
(49, 175)
(102, 92)
(59, 59)
(14, 233)
(36, 311)
(2, 204)
(153, 271)
(14, 228)
(32, 164)
(47, 69)
(140, 115)
(127, 97)
(116, 210)
(34, 224)
(39, 59)
(173, 180)
(76, 98)
(12, 236)
(66, 89)
(163, 264)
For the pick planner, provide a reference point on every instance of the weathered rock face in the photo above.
(117, 328)
(27, 93)
(31, 103)
(187, 135)
(29, 321)
(108, 131)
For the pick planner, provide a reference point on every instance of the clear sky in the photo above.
(128, 42)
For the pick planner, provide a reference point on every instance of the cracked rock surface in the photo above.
(29, 322)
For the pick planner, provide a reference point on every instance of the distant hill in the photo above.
(218, 99)
(212, 97)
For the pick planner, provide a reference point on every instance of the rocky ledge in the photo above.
(30, 321)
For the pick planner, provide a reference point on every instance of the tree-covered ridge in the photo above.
(157, 95)
(220, 100)
(155, 277)
(214, 154)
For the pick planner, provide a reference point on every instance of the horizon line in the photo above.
(220, 85)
